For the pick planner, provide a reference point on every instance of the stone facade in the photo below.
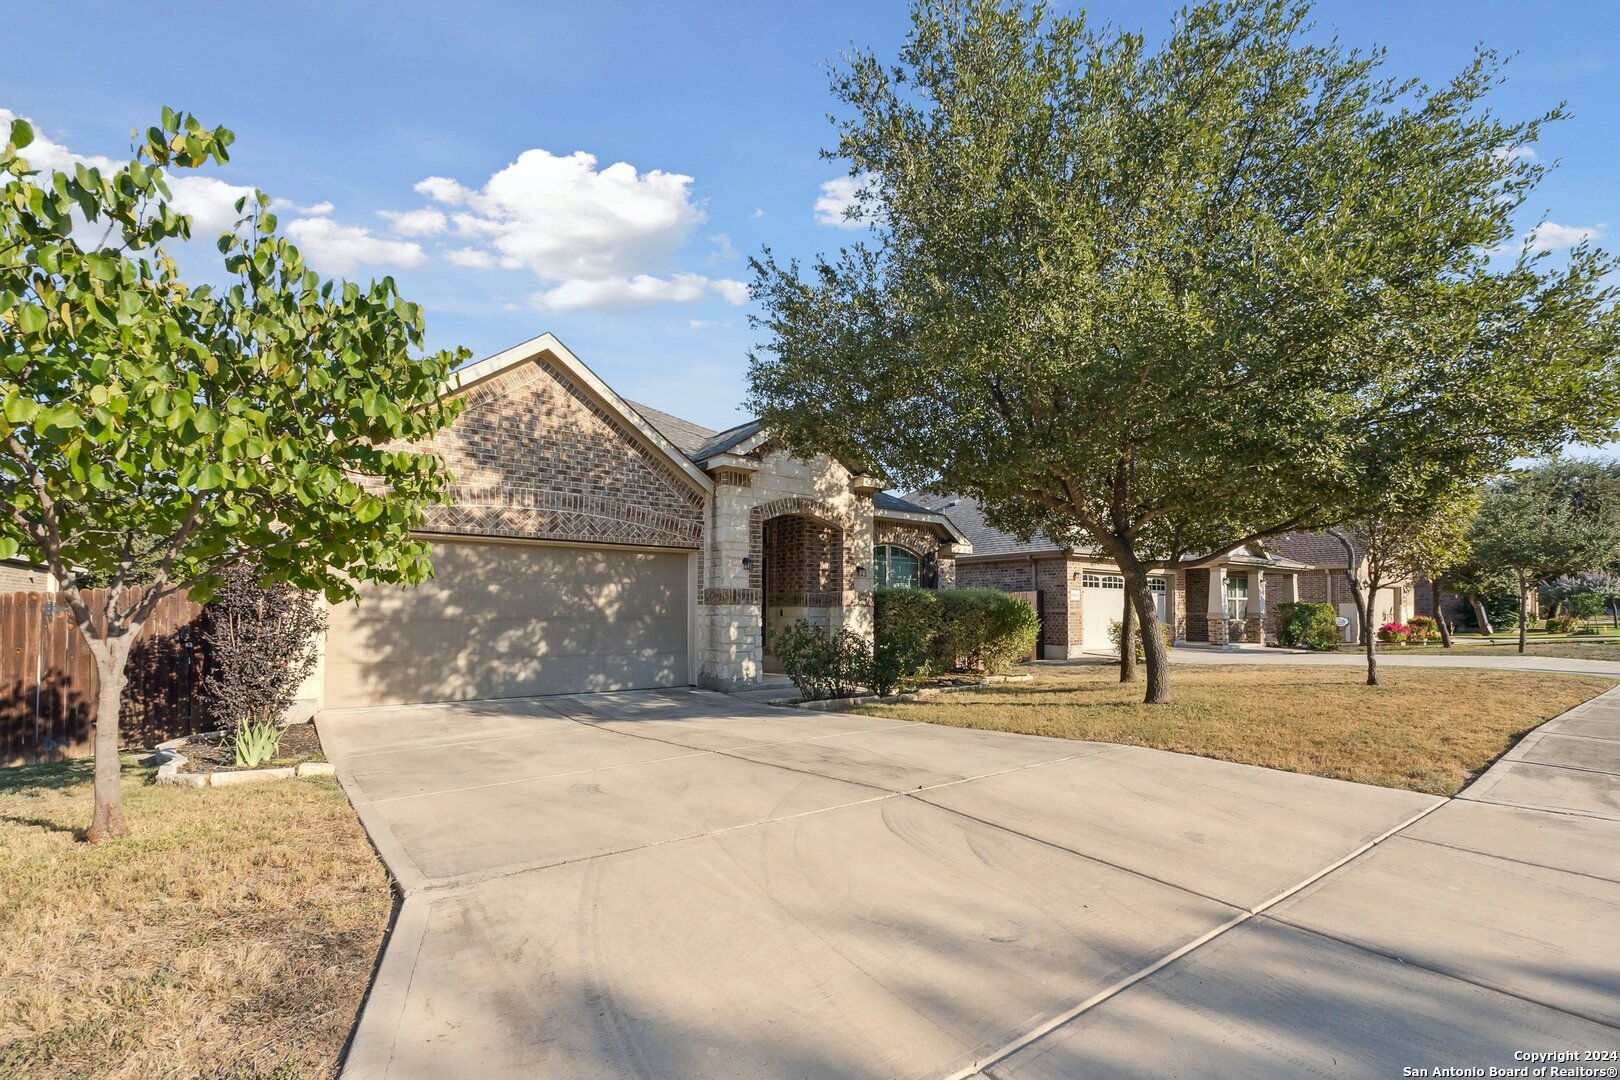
(833, 526)
(534, 455)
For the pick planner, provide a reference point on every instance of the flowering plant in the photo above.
(1394, 632)
(1422, 628)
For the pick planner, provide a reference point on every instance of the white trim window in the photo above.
(896, 566)
(1237, 596)
(1092, 580)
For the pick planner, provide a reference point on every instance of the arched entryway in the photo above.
(805, 571)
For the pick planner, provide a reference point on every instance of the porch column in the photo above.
(1257, 604)
(1217, 605)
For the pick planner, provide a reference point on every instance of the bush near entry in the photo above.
(1116, 628)
(1304, 625)
(983, 630)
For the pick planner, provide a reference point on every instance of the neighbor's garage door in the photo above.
(1103, 602)
(509, 620)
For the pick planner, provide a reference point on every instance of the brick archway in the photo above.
(798, 506)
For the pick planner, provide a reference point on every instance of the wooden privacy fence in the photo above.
(1033, 599)
(48, 680)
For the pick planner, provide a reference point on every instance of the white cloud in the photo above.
(471, 258)
(621, 294)
(758, 213)
(724, 249)
(837, 200)
(596, 238)
(287, 206)
(441, 189)
(424, 222)
(1550, 236)
(1514, 153)
(341, 249)
(210, 202)
(732, 292)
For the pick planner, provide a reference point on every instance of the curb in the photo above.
(169, 760)
(846, 704)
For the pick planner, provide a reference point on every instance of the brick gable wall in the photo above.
(534, 456)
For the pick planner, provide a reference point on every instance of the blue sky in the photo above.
(603, 170)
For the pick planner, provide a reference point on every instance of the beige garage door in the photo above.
(509, 620)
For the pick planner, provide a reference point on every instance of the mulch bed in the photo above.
(205, 753)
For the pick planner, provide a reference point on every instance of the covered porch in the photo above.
(1232, 600)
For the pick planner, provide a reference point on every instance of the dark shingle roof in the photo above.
(685, 435)
(884, 501)
(725, 440)
(964, 513)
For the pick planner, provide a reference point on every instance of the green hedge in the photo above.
(1303, 625)
(936, 630)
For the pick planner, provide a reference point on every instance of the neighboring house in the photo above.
(1229, 600)
(593, 544)
(1396, 601)
(17, 575)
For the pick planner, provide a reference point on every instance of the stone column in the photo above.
(1257, 605)
(1217, 605)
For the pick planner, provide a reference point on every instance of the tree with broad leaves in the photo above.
(1399, 545)
(1558, 517)
(1169, 302)
(150, 429)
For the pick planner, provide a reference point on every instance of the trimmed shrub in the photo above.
(822, 664)
(1395, 633)
(1304, 625)
(905, 624)
(1423, 629)
(1562, 624)
(1502, 610)
(1115, 628)
(982, 630)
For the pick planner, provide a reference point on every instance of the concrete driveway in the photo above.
(679, 884)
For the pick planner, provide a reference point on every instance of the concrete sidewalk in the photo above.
(1497, 914)
(678, 884)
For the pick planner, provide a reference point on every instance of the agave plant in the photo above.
(256, 743)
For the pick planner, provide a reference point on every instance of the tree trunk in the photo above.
(1524, 611)
(1155, 651)
(1363, 602)
(1482, 620)
(108, 821)
(1127, 641)
(1440, 619)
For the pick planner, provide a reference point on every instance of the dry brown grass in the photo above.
(232, 935)
(1426, 730)
(1569, 650)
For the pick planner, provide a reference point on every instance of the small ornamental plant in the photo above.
(1395, 633)
(1422, 629)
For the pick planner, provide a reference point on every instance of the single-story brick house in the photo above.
(593, 543)
(1229, 601)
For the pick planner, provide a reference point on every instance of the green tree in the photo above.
(1397, 544)
(1166, 303)
(153, 430)
(1558, 517)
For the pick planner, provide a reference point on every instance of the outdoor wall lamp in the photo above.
(860, 571)
(748, 561)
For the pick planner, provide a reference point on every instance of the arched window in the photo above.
(896, 566)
